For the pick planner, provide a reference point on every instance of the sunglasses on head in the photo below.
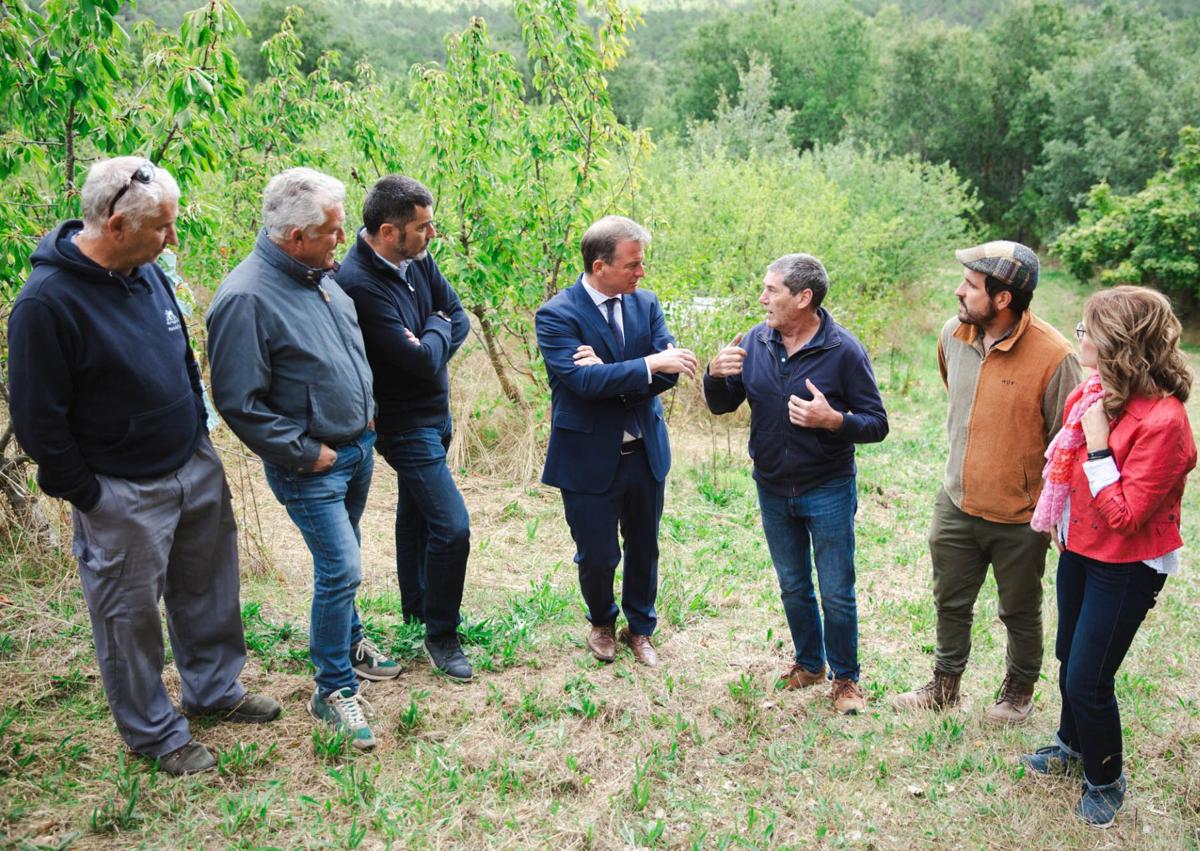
(143, 175)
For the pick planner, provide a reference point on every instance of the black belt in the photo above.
(631, 446)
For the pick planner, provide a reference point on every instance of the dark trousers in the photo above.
(1100, 607)
(433, 531)
(962, 546)
(633, 505)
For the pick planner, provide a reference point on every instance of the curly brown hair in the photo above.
(1137, 337)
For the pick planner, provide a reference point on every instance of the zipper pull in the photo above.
(324, 294)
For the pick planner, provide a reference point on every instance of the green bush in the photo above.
(1150, 238)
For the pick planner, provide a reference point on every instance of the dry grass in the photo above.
(552, 749)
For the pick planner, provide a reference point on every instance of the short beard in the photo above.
(979, 321)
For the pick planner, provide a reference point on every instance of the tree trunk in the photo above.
(491, 345)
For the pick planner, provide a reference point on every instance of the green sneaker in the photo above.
(343, 710)
(369, 662)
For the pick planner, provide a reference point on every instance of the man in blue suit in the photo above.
(608, 355)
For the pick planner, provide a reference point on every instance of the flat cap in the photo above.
(1011, 262)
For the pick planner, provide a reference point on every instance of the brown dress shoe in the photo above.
(799, 676)
(602, 641)
(642, 649)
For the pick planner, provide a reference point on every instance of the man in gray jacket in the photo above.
(290, 376)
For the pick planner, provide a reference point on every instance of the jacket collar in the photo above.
(284, 262)
(367, 254)
(827, 335)
(971, 335)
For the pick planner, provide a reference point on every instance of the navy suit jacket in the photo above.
(588, 403)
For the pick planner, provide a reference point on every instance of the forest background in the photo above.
(877, 136)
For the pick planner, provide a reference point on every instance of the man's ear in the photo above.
(295, 235)
(1002, 299)
(117, 226)
(806, 297)
(597, 265)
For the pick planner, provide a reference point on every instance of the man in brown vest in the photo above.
(1008, 374)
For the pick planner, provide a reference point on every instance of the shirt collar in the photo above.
(598, 298)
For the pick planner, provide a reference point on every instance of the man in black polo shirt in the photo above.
(413, 323)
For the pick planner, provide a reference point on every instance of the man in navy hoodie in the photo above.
(412, 324)
(812, 396)
(106, 398)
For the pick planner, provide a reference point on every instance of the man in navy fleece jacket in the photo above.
(106, 398)
(812, 396)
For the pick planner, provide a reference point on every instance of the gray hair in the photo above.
(299, 198)
(105, 180)
(802, 272)
(601, 239)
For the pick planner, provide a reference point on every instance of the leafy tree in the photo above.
(750, 125)
(521, 173)
(1152, 237)
(821, 53)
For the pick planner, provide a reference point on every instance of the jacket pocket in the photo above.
(572, 421)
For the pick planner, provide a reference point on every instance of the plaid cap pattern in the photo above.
(1011, 262)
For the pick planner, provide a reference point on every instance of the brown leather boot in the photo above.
(939, 693)
(1015, 703)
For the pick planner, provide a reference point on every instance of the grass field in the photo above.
(548, 748)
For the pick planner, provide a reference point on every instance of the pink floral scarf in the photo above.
(1060, 455)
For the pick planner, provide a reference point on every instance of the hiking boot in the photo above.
(1052, 759)
(251, 709)
(848, 697)
(602, 641)
(1015, 704)
(343, 710)
(446, 654)
(192, 758)
(642, 649)
(370, 663)
(1100, 804)
(939, 693)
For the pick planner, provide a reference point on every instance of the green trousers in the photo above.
(962, 547)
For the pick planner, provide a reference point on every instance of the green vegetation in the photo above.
(549, 747)
(1150, 238)
(877, 136)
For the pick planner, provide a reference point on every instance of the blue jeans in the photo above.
(326, 508)
(433, 529)
(820, 520)
(1100, 607)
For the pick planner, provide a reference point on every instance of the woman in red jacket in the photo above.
(1114, 481)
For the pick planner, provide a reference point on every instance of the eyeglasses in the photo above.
(1080, 331)
(144, 175)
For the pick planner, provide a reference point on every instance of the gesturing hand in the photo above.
(674, 361)
(586, 356)
(728, 361)
(1095, 426)
(814, 414)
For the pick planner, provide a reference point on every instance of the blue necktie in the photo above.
(613, 325)
(631, 424)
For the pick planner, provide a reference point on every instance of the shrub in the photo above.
(1150, 238)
